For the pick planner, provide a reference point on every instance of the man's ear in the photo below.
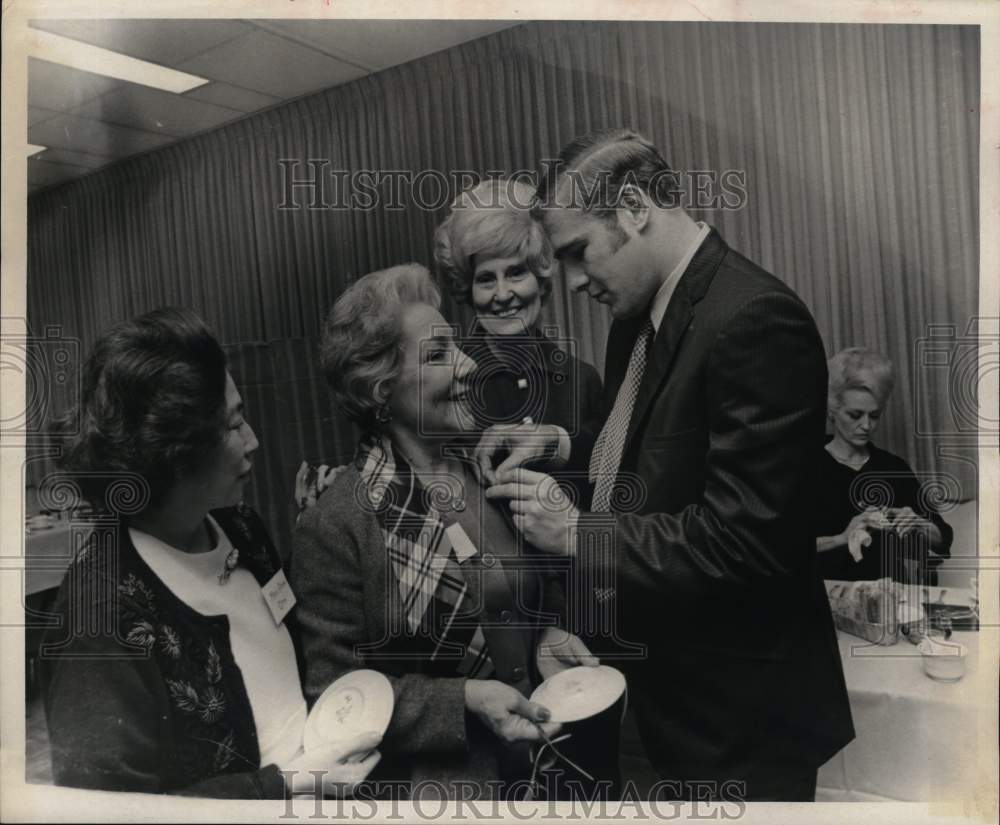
(633, 207)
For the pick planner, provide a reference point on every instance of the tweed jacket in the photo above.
(349, 617)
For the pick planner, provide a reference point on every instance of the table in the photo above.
(47, 554)
(916, 738)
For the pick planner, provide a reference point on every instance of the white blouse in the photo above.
(262, 649)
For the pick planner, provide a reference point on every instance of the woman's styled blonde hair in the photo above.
(491, 220)
(857, 368)
(360, 349)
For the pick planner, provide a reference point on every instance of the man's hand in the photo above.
(541, 509)
(506, 712)
(559, 650)
(521, 442)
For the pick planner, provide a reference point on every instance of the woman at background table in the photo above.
(190, 684)
(495, 257)
(873, 520)
(368, 594)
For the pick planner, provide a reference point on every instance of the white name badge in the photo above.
(279, 596)
(460, 542)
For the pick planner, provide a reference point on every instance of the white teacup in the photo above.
(943, 661)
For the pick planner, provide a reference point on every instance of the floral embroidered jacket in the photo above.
(142, 692)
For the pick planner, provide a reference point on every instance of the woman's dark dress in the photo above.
(885, 480)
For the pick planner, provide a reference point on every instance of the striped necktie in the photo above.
(607, 454)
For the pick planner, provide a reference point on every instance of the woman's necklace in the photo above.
(232, 557)
(855, 462)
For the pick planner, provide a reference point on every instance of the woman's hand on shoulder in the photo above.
(309, 487)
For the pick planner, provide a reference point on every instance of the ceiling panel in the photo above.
(42, 173)
(36, 114)
(59, 88)
(152, 110)
(378, 44)
(273, 65)
(94, 137)
(86, 120)
(167, 42)
(232, 97)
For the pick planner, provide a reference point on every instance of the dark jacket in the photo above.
(142, 692)
(530, 375)
(712, 566)
(520, 376)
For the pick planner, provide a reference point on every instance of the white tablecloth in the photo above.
(916, 738)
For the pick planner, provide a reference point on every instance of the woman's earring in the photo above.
(382, 414)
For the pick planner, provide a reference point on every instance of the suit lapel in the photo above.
(677, 319)
(675, 322)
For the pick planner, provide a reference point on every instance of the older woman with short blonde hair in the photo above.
(494, 255)
(861, 369)
(459, 637)
(492, 219)
(867, 493)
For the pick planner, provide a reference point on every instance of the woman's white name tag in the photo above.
(460, 542)
(279, 596)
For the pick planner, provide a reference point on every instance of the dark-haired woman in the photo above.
(172, 670)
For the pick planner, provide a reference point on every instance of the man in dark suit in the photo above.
(715, 401)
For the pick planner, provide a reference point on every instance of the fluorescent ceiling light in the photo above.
(34, 150)
(57, 49)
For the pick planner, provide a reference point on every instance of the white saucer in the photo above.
(580, 692)
(358, 702)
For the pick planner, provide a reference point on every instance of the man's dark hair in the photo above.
(599, 164)
(152, 402)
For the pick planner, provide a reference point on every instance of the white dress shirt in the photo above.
(658, 306)
(657, 309)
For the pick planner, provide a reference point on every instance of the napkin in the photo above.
(859, 538)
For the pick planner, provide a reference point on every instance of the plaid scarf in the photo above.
(426, 554)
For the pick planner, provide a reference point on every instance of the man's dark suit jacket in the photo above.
(715, 569)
